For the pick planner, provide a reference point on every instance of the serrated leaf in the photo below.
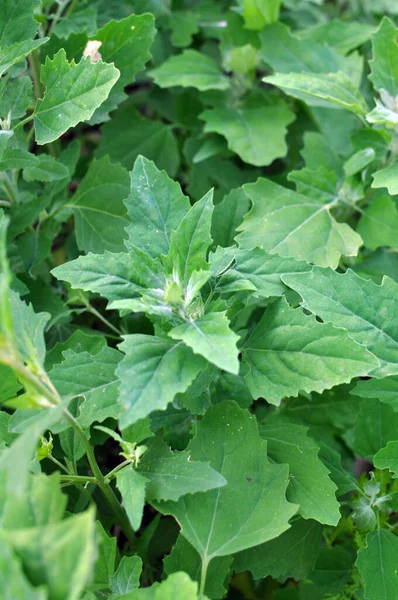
(227, 216)
(178, 586)
(384, 70)
(79, 21)
(79, 341)
(317, 356)
(106, 558)
(243, 513)
(310, 485)
(331, 90)
(343, 36)
(17, 21)
(45, 169)
(16, 95)
(291, 555)
(10, 55)
(171, 475)
(73, 92)
(159, 369)
(377, 564)
(100, 215)
(190, 69)
(93, 378)
(375, 426)
(286, 223)
(385, 390)
(131, 485)
(189, 243)
(184, 557)
(156, 206)
(246, 127)
(378, 225)
(363, 308)
(126, 577)
(388, 178)
(387, 458)
(211, 337)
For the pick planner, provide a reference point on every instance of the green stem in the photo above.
(24, 121)
(107, 491)
(58, 14)
(5, 203)
(34, 63)
(58, 463)
(112, 473)
(205, 564)
(78, 479)
(71, 8)
(97, 314)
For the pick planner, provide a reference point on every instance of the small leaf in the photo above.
(258, 13)
(127, 576)
(387, 458)
(131, 485)
(375, 426)
(377, 564)
(384, 70)
(46, 169)
(378, 225)
(388, 178)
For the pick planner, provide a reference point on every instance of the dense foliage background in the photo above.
(198, 299)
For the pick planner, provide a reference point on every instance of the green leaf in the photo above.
(79, 341)
(184, 557)
(45, 169)
(251, 508)
(177, 586)
(385, 390)
(131, 485)
(159, 368)
(258, 13)
(343, 36)
(73, 92)
(77, 22)
(190, 69)
(14, 583)
(10, 55)
(126, 577)
(291, 225)
(289, 352)
(227, 216)
(375, 426)
(365, 310)
(9, 385)
(100, 215)
(171, 475)
(378, 225)
(291, 555)
(94, 378)
(130, 135)
(156, 206)
(387, 458)
(335, 89)
(384, 69)
(310, 485)
(17, 21)
(16, 95)
(388, 178)
(377, 565)
(106, 559)
(332, 571)
(358, 161)
(246, 127)
(59, 555)
(211, 337)
(189, 243)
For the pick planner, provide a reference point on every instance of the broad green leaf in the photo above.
(184, 557)
(131, 485)
(319, 183)
(159, 368)
(251, 509)
(126, 44)
(387, 458)
(17, 21)
(171, 475)
(286, 53)
(190, 69)
(10, 55)
(13, 582)
(310, 485)
(178, 586)
(385, 390)
(106, 558)
(156, 206)
(378, 225)
(291, 555)
(16, 95)
(291, 225)
(126, 577)
(260, 272)
(333, 90)
(211, 337)
(46, 169)
(388, 178)
(77, 22)
(343, 36)
(100, 215)
(258, 13)
(247, 126)
(183, 25)
(113, 276)
(73, 92)
(375, 426)
(364, 309)
(79, 341)
(384, 115)
(93, 378)
(358, 161)
(377, 564)
(289, 352)
(227, 215)
(332, 571)
(189, 243)
(129, 135)
(384, 66)
(59, 555)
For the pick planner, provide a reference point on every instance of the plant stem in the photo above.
(71, 8)
(57, 15)
(78, 479)
(205, 564)
(107, 491)
(97, 314)
(59, 464)
(34, 63)
(24, 121)
(112, 473)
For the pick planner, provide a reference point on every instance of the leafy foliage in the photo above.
(198, 300)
